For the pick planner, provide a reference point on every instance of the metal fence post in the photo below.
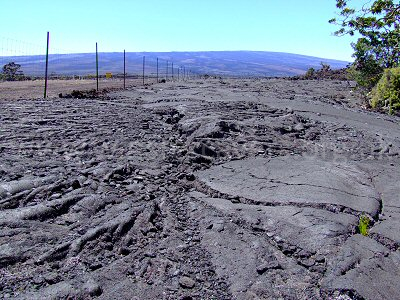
(97, 68)
(124, 70)
(157, 69)
(144, 58)
(166, 74)
(47, 65)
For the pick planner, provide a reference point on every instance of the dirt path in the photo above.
(235, 189)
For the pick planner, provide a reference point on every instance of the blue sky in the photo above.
(173, 25)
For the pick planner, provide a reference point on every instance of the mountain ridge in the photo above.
(225, 63)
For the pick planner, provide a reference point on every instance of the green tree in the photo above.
(11, 71)
(378, 24)
(366, 69)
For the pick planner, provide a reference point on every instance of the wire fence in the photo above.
(115, 69)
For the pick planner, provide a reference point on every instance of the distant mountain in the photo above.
(227, 63)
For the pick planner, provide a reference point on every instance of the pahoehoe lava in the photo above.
(206, 189)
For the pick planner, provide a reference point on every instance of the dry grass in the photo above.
(14, 90)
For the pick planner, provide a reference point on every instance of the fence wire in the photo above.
(80, 68)
(32, 59)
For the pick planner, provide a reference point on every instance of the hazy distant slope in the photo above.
(232, 63)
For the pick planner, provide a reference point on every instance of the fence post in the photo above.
(47, 65)
(166, 74)
(157, 69)
(144, 58)
(178, 73)
(124, 70)
(97, 69)
(172, 71)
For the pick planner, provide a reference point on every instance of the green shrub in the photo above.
(310, 73)
(363, 225)
(367, 69)
(387, 91)
(366, 76)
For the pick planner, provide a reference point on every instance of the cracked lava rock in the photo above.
(206, 189)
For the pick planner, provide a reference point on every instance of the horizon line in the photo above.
(182, 51)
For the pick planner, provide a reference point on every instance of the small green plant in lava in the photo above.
(363, 225)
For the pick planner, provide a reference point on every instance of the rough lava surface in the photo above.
(206, 189)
